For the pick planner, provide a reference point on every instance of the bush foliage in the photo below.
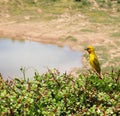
(61, 94)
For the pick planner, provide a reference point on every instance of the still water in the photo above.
(35, 56)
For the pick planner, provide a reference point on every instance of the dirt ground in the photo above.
(76, 32)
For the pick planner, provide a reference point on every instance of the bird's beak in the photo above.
(86, 49)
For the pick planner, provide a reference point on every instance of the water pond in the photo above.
(35, 56)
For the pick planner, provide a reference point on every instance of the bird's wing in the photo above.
(97, 65)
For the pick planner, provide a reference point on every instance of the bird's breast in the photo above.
(92, 57)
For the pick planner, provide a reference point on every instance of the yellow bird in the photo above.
(94, 60)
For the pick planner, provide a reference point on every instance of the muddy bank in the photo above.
(48, 32)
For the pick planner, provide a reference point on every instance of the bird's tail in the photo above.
(99, 75)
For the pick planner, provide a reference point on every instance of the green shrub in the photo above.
(118, 1)
(60, 94)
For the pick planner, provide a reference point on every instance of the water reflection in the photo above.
(35, 56)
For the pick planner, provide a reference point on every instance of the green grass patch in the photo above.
(104, 3)
(98, 16)
(117, 59)
(117, 34)
(51, 9)
(70, 38)
(87, 30)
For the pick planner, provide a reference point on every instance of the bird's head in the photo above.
(90, 49)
